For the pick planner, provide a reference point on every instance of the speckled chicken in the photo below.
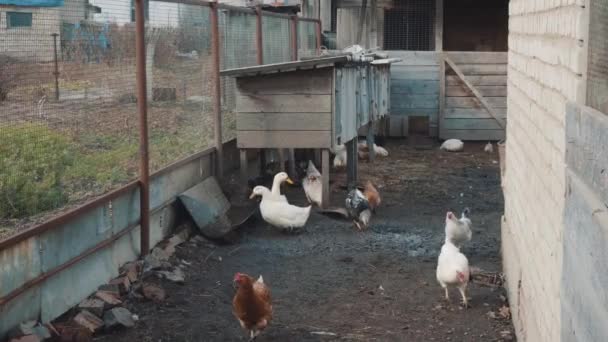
(358, 208)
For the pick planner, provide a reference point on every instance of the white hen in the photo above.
(453, 271)
(488, 148)
(340, 158)
(458, 231)
(452, 145)
(278, 213)
(379, 150)
(313, 187)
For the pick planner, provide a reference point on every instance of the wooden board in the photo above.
(414, 58)
(488, 80)
(283, 121)
(472, 102)
(473, 113)
(483, 69)
(284, 139)
(486, 91)
(284, 103)
(481, 124)
(311, 82)
(416, 73)
(473, 134)
(415, 111)
(414, 87)
(399, 101)
(478, 57)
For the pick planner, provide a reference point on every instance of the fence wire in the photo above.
(307, 38)
(68, 107)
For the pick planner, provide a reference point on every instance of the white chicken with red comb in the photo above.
(453, 271)
(458, 230)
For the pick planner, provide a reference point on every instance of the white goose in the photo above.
(278, 213)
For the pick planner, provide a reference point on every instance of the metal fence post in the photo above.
(217, 91)
(319, 37)
(56, 72)
(142, 108)
(258, 35)
(294, 37)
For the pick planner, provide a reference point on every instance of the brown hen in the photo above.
(372, 195)
(251, 304)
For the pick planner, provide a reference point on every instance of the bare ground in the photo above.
(377, 285)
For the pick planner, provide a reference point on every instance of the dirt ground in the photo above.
(377, 285)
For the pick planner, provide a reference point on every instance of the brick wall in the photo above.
(546, 65)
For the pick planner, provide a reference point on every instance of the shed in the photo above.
(313, 104)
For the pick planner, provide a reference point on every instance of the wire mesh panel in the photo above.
(307, 38)
(178, 70)
(68, 121)
(410, 26)
(277, 39)
(238, 49)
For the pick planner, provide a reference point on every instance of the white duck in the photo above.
(278, 180)
(278, 213)
(458, 231)
(453, 270)
(313, 187)
(452, 145)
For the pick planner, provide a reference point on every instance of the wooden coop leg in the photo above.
(281, 153)
(352, 157)
(371, 141)
(325, 177)
(292, 162)
(244, 166)
(317, 157)
(262, 162)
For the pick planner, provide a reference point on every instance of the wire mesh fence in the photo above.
(69, 123)
(307, 38)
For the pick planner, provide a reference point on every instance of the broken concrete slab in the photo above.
(124, 284)
(93, 305)
(89, 321)
(175, 275)
(110, 288)
(118, 318)
(153, 293)
(111, 299)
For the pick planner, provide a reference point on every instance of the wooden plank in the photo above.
(283, 121)
(414, 58)
(400, 102)
(473, 134)
(478, 57)
(244, 168)
(489, 91)
(312, 82)
(325, 170)
(480, 124)
(429, 75)
(483, 69)
(414, 87)
(414, 111)
(398, 126)
(284, 103)
(283, 139)
(284, 66)
(472, 102)
(475, 92)
(473, 113)
(352, 158)
(488, 80)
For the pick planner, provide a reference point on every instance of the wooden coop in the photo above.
(313, 104)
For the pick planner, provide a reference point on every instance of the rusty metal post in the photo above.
(319, 37)
(142, 108)
(294, 37)
(217, 91)
(258, 35)
(56, 72)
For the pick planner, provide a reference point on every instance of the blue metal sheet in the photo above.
(33, 3)
(25, 308)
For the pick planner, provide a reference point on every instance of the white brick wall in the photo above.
(546, 64)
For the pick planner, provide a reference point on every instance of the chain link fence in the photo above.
(69, 123)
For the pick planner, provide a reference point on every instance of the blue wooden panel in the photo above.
(414, 87)
(24, 308)
(429, 73)
(480, 124)
(19, 264)
(414, 111)
(399, 101)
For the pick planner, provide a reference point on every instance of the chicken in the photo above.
(458, 231)
(488, 148)
(453, 270)
(364, 150)
(358, 208)
(251, 304)
(452, 145)
(340, 158)
(372, 195)
(313, 187)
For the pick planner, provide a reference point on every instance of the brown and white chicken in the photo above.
(251, 304)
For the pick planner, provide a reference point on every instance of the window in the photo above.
(18, 19)
(146, 10)
(410, 26)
